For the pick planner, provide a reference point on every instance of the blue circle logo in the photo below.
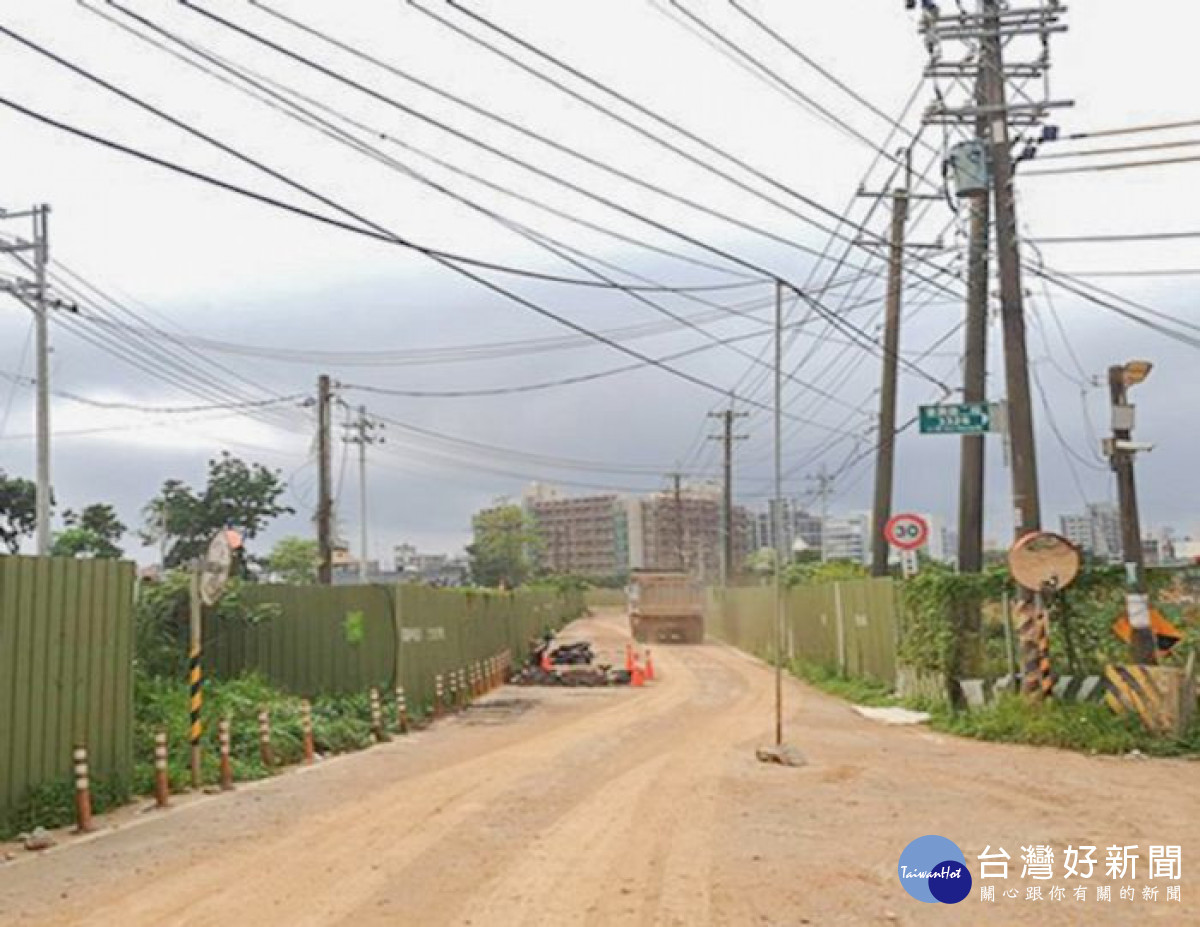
(933, 870)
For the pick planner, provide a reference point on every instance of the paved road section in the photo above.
(627, 807)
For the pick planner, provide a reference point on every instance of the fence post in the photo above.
(401, 711)
(377, 727)
(439, 696)
(226, 767)
(1006, 607)
(306, 729)
(264, 739)
(840, 618)
(162, 786)
(83, 791)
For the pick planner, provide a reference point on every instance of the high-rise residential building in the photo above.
(848, 538)
(1078, 530)
(1097, 531)
(798, 525)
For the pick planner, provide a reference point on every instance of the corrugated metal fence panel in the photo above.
(869, 609)
(325, 639)
(66, 670)
(865, 645)
(411, 634)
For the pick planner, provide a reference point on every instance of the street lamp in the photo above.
(1136, 371)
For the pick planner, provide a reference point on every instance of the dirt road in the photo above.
(626, 807)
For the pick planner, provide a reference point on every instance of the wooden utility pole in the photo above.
(1121, 454)
(971, 473)
(885, 461)
(325, 482)
(1026, 500)
(728, 567)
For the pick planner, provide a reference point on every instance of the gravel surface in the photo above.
(622, 806)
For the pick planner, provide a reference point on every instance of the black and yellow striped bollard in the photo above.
(195, 704)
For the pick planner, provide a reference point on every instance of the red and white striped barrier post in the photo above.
(83, 791)
(264, 739)
(162, 784)
(223, 748)
(306, 729)
(401, 711)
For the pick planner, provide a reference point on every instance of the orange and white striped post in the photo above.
(162, 784)
(464, 694)
(306, 729)
(377, 728)
(439, 696)
(83, 791)
(451, 691)
(401, 710)
(264, 739)
(223, 748)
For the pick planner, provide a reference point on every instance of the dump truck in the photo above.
(665, 607)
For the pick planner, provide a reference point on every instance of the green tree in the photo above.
(238, 495)
(505, 548)
(295, 560)
(94, 532)
(18, 510)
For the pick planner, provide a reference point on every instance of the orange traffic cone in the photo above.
(649, 666)
(636, 676)
(629, 658)
(546, 667)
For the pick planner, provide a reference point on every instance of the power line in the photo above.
(1126, 130)
(1115, 238)
(1105, 168)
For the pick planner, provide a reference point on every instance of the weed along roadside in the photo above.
(890, 642)
(330, 670)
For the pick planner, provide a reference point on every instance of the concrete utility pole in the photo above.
(34, 296)
(728, 567)
(1121, 454)
(1026, 500)
(362, 432)
(885, 461)
(324, 482)
(41, 237)
(971, 473)
(780, 605)
(824, 483)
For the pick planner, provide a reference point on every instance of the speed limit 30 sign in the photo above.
(906, 532)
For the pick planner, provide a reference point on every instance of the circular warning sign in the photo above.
(906, 532)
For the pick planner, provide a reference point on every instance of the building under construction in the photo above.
(609, 535)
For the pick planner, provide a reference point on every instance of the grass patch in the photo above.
(1086, 727)
(852, 688)
(1082, 726)
(341, 724)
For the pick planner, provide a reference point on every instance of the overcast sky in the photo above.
(185, 261)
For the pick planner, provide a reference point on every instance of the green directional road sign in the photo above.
(970, 418)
